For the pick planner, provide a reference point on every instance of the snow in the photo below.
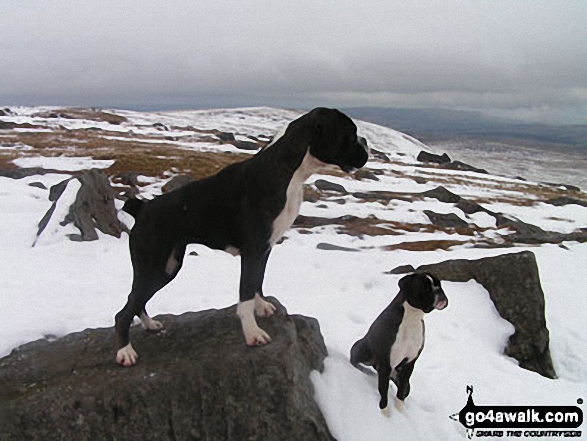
(58, 287)
(65, 163)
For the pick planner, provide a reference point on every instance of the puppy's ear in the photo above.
(405, 283)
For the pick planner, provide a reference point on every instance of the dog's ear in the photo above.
(405, 283)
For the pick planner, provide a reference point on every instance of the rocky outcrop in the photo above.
(195, 380)
(92, 209)
(428, 157)
(513, 283)
(177, 182)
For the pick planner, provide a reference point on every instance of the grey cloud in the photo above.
(520, 56)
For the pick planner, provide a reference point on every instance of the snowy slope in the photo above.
(59, 286)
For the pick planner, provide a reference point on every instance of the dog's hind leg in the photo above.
(149, 277)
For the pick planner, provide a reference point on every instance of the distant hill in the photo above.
(434, 124)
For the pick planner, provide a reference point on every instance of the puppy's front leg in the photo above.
(384, 371)
(252, 269)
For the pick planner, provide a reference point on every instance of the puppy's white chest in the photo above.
(410, 337)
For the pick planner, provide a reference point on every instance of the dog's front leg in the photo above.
(262, 307)
(384, 372)
(252, 271)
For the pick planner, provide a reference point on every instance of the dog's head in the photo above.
(423, 291)
(334, 140)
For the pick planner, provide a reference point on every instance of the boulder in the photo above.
(177, 182)
(513, 284)
(461, 166)
(324, 185)
(93, 207)
(195, 380)
(565, 200)
(427, 157)
(446, 220)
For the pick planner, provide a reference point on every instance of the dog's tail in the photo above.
(133, 206)
(360, 355)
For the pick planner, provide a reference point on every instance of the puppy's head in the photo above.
(423, 291)
(334, 140)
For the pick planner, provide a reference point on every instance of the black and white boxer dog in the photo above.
(244, 209)
(396, 338)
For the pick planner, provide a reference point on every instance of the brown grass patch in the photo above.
(424, 245)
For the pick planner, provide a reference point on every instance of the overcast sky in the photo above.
(522, 58)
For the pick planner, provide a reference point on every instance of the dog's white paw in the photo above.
(257, 337)
(385, 412)
(126, 356)
(399, 405)
(149, 324)
(254, 335)
(263, 308)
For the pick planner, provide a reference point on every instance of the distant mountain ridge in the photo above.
(445, 123)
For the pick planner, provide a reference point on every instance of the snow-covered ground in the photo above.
(59, 286)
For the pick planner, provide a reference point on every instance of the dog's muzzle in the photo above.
(440, 300)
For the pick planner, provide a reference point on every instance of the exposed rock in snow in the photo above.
(195, 380)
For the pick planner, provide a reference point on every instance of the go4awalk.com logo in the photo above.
(518, 421)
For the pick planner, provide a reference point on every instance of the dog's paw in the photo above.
(263, 308)
(399, 405)
(151, 325)
(385, 412)
(257, 337)
(126, 356)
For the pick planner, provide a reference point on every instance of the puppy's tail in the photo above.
(133, 206)
(360, 354)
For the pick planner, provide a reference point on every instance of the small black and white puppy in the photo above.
(396, 338)
(244, 209)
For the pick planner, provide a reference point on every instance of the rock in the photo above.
(246, 145)
(565, 200)
(449, 220)
(324, 185)
(161, 126)
(458, 165)
(225, 136)
(366, 174)
(129, 178)
(513, 283)
(93, 207)
(427, 157)
(19, 173)
(330, 247)
(403, 269)
(177, 182)
(442, 194)
(38, 185)
(195, 380)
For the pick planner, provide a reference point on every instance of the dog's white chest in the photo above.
(294, 196)
(410, 336)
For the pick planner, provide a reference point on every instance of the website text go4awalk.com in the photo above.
(520, 421)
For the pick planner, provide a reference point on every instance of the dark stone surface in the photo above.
(446, 220)
(442, 194)
(195, 380)
(458, 165)
(427, 157)
(565, 200)
(513, 283)
(324, 185)
(94, 208)
(177, 182)
(331, 247)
